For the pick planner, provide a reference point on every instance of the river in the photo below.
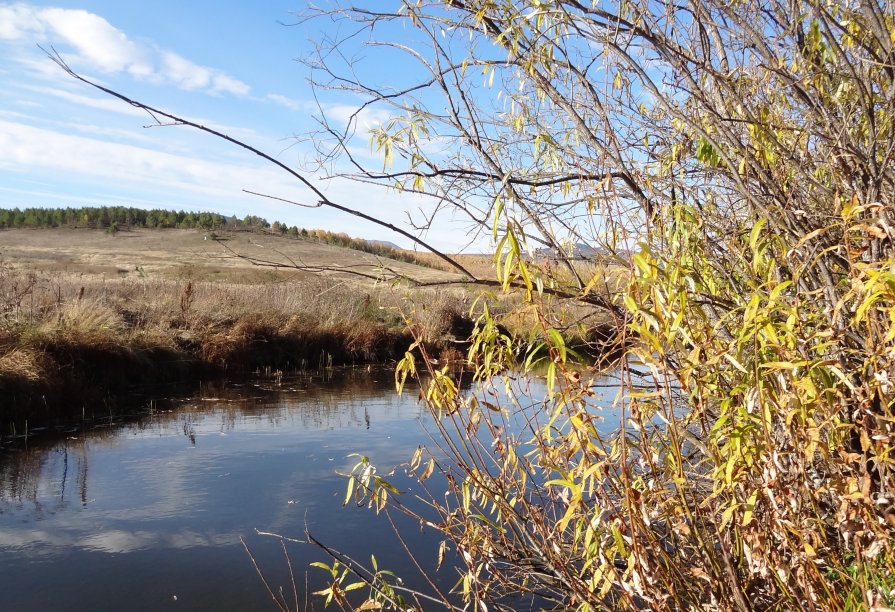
(147, 513)
(150, 512)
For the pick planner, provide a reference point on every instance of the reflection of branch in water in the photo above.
(64, 474)
(189, 431)
(83, 462)
(26, 475)
(338, 398)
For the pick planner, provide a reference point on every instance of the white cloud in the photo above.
(104, 104)
(13, 114)
(97, 44)
(185, 73)
(23, 146)
(120, 107)
(188, 75)
(226, 84)
(19, 22)
(94, 39)
(296, 105)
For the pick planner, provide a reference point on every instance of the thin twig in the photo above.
(291, 573)
(263, 579)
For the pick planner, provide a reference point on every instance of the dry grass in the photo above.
(25, 364)
(66, 334)
(480, 266)
(113, 311)
(189, 255)
(65, 304)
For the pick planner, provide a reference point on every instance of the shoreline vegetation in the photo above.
(76, 333)
(87, 317)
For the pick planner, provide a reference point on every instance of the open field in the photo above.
(190, 255)
(84, 313)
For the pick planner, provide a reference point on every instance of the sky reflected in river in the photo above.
(148, 514)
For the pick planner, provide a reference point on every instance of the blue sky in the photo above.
(230, 65)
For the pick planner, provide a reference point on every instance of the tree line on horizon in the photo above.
(118, 218)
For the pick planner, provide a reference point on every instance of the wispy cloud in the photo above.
(291, 104)
(28, 146)
(117, 106)
(188, 75)
(103, 104)
(92, 42)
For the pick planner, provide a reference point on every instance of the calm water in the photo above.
(148, 515)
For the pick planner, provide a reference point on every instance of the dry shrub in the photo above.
(432, 314)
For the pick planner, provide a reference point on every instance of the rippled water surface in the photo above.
(149, 514)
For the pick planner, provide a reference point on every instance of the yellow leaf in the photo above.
(727, 514)
(784, 365)
(735, 363)
(750, 508)
(429, 469)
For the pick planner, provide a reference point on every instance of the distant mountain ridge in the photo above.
(385, 243)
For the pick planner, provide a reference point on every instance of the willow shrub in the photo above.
(791, 422)
(750, 466)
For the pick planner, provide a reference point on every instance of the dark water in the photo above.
(148, 515)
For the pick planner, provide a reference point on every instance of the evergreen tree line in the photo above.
(113, 217)
(118, 218)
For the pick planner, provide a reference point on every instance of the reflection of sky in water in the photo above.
(129, 517)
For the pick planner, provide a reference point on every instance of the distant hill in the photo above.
(114, 219)
(579, 250)
(194, 254)
(386, 244)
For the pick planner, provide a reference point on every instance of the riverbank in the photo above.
(70, 343)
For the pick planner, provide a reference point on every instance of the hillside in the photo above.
(190, 254)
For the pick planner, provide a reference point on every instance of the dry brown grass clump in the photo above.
(27, 364)
(87, 322)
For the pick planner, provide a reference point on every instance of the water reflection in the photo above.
(146, 512)
(154, 507)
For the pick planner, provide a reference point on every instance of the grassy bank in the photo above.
(86, 316)
(69, 340)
